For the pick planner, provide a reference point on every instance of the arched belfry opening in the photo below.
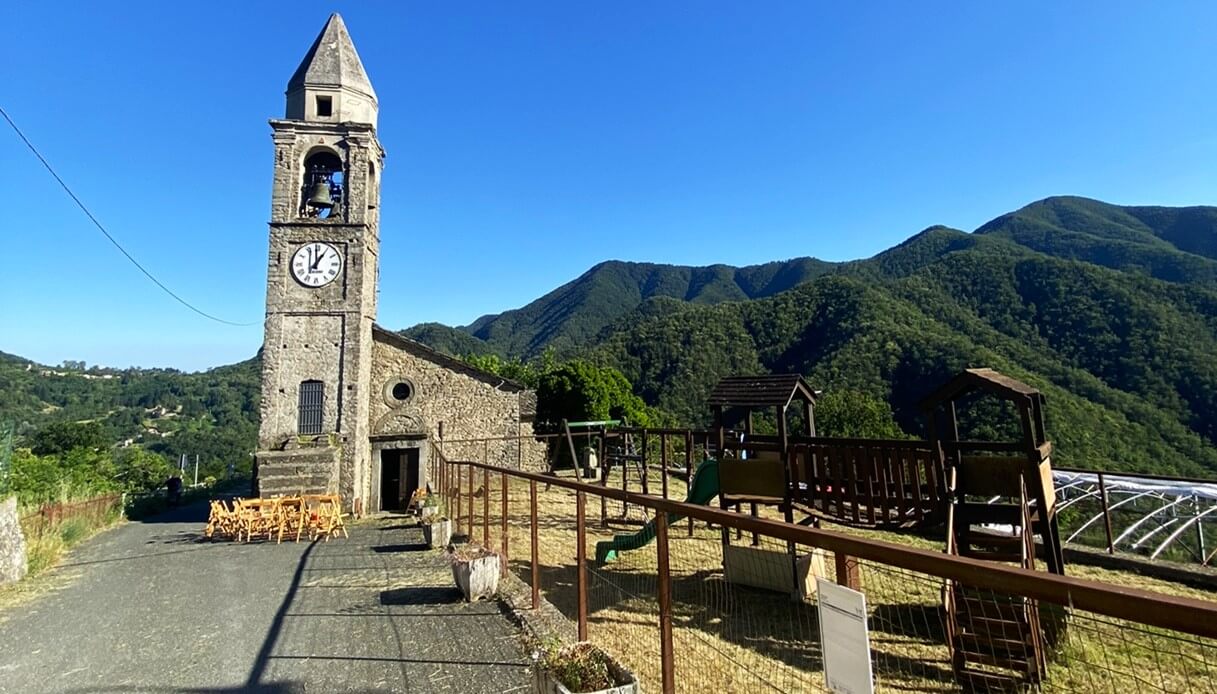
(323, 190)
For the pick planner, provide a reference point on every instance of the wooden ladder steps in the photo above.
(988, 682)
(992, 607)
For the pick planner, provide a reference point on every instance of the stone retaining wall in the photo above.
(12, 543)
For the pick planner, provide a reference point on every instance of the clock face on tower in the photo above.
(316, 264)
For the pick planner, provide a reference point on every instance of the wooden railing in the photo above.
(870, 482)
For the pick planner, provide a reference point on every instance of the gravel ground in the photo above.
(152, 609)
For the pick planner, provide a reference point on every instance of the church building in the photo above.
(348, 406)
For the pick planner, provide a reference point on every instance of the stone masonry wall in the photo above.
(12, 543)
(469, 408)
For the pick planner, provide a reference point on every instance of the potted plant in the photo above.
(475, 570)
(437, 528)
(429, 506)
(579, 668)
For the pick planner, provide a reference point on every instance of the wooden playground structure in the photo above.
(995, 499)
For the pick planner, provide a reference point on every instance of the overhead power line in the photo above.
(110, 238)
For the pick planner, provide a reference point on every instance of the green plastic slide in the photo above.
(701, 491)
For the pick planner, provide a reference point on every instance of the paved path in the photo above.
(154, 610)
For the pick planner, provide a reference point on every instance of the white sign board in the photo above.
(844, 640)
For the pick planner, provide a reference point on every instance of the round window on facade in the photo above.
(402, 391)
(399, 391)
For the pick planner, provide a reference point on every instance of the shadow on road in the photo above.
(276, 626)
(420, 595)
(134, 557)
(194, 512)
(275, 688)
(408, 547)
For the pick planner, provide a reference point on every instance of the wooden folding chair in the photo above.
(216, 521)
(290, 510)
(330, 517)
(417, 499)
(238, 519)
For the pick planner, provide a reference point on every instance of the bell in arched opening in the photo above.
(323, 186)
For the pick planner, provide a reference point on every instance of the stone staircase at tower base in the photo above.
(297, 471)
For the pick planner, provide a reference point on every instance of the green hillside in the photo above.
(1111, 310)
(212, 414)
(446, 339)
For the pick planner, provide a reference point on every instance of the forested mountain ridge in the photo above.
(1111, 310)
(1173, 244)
(573, 314)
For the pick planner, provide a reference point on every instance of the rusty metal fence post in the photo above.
(581, 563)
(469, 499)
(689, 469)
(486, 508)
(646, 487)
(503, 484)
(532, 529)
(666, 655)
(445, 475)
(455, 487)
(663, 462)
(600, 458)
(1111, 545)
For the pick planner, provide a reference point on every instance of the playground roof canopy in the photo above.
(770, 390)
(987, 380)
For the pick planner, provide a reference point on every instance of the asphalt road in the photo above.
(153, 609)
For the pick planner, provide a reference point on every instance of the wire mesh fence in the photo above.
(692, 598)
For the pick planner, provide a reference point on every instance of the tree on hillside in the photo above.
(141, 470)
(854, 414)
(62, 437)
(580, 390)
(218, 448)
(526, 373)
(80, 473)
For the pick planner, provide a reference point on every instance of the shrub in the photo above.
(580, 667)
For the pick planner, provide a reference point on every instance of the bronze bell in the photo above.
(320, 196)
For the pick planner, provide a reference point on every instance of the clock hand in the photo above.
(320, 256)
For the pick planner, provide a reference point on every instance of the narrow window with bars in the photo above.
(312, 401)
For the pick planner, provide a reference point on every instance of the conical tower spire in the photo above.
(331, 85)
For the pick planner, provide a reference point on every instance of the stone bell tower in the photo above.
(321, 277)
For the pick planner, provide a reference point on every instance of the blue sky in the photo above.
(527, 142)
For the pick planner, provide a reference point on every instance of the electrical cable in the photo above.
(111, 239)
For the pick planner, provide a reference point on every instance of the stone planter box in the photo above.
(626, 682)
(476, 572)
(437, 533)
